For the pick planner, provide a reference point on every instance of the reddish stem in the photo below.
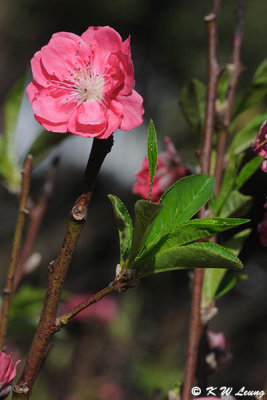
(9, 286)
(214, 71)
(58, 269)
(236, 69)
(36, 217)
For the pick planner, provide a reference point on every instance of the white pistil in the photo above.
(87, 85)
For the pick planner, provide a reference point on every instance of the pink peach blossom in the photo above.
(84, 84)
(169, 170)
(260, 145)
(104, 311)
(262, 228)
(7, 374)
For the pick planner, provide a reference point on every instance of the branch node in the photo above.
(50, 266)
(210, 17)
(21, 388)
(79, 212)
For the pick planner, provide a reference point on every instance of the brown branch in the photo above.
(64, 319)
(214, 71)
(9, 286)
(236, 68)
(36, 216)
(58, 269)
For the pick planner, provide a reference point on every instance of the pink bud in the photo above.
(7, 374)
(260, 145)
(262, 228)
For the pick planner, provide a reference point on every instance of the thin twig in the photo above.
(9, 286)
(214, 71)
(58, 269)
(36, 216)
(64, 319)
(236, 68)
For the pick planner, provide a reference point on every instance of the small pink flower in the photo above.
(260, 145)
(84, 84)
(216, 341)
(218, 353)
(104, 311)
(262, 228)
(169, 170)
(7, 374)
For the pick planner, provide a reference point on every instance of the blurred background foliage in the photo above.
(142, 351)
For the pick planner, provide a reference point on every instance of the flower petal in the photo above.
(52, 106)
(39, 74)
(103, 40)
(132, 110)
(14, 371)
(104, 37)
(64, 58)
(88, 120)
(114, 120)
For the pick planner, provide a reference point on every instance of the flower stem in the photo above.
(214, 71)
(58, 269)
(9, 286)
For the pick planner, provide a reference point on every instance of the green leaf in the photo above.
(247, 171)
(9, 168)
(125, 227)
(197, 255)
(257, 90)
(26, 308)
(228, 184)
(224, 83)
(212, 279)
(244, 138)
(199, 228)
(180, 203)
(237, 205)
(145, 212)
(45, 142)
(214, 284)
(228, 281)
(192, 99)
(260, 76)
(236, 242)
(152, 153)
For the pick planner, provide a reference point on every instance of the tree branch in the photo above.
(236, 68)
(214, 71)
(9, 286)
(64, 319)
(36, 217)
(58, 269)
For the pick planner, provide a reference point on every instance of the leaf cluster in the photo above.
(164, 236)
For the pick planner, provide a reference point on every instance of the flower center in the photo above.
(89, 86)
